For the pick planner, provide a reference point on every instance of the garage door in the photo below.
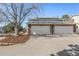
(63, 29)
(40, 29)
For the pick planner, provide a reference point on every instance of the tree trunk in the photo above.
(16, 30)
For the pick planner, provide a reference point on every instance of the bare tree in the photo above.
(16, 13)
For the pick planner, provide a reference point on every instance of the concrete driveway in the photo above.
(39, 46)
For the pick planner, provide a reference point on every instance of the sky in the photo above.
(59, 9)
(55, 10)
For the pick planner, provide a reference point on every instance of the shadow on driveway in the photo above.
(73, 51)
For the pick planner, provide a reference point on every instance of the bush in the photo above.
(10, 28)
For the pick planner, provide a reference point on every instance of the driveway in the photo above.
(40, 46)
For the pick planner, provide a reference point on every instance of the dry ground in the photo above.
(40, 46)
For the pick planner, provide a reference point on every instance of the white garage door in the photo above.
(40, 29)
(63, 29)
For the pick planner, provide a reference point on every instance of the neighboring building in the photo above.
(75, 18)
(42, 26)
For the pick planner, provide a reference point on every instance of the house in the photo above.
(47, 26)
(75, 18)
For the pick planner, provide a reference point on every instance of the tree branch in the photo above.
(6, 16)
(24, 15)
(9, 11)
(21, 10)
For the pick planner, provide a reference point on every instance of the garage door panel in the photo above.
(40, 29)
(63, 29)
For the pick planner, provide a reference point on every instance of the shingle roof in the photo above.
(49, 21)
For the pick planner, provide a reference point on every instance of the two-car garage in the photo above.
(53, 29)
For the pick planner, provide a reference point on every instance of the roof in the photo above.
(74, 16)
(43, 19)
(49, 21)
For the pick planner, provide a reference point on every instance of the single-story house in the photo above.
(42, 26)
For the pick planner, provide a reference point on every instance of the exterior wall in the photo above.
(40, 29)
(76, 21)
(64, 29)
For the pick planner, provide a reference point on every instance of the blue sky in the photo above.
(59, 9)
